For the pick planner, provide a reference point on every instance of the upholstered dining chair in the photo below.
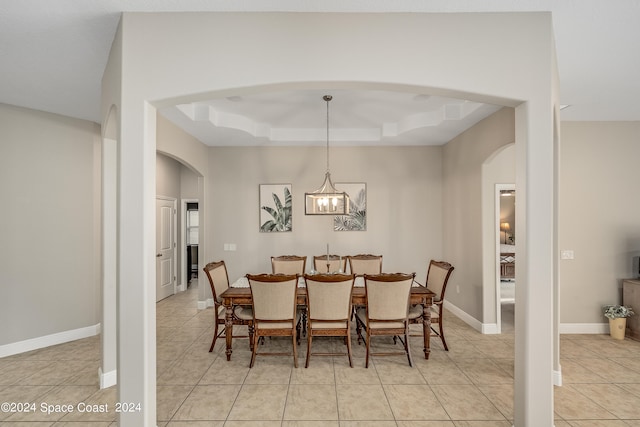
(438, 275)
(365, 264)
(288, 264)
(387, 297)
(335, 264)
(329, 309)
(219, 280)
(274, 310)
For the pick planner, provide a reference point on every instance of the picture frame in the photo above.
(275, 208)
(356, 220)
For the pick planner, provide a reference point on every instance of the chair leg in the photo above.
(215, 336)
(406, 346)
(306, 364)
(359, 330)
(348, 338)
(366, 363)
(304, 321)
(251, 332)
(444, 343)
(295, 348)
(255, 348)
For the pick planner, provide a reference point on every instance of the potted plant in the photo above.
(617, 315)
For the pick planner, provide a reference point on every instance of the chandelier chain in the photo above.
(327, 98)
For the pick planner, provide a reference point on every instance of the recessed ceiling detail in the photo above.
(359, 117)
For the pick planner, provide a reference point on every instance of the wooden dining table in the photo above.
(235, 296)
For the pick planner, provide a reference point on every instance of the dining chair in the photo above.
(335, 264)
(219, 280)
(365, 264)
(387, 298)
(329, 309)
(274, 310)
(438, 275)
(288, 264)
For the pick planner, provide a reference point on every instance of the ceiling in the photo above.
(54, 53)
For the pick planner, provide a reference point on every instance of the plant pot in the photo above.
(617, 327)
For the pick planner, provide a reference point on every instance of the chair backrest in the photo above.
(365, 264)
(387, 295)
(218, 279)
(288, 264)
(329, 296)
(438, 277)
(336, 263)
(274, 296)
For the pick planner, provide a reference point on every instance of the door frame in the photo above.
(175, 239)
(498, 188)
(183, 242)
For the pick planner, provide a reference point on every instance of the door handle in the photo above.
(158, 255)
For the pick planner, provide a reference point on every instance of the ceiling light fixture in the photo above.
(326, 200)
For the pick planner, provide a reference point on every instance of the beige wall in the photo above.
(49, 260)
(599, 217)
(168, 173)
(404, 214)
(463, 158)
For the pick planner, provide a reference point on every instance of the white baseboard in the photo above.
(557, 377)
(107, 379)
(48, 340)
(584, 328)
(489, 328)
(462, 315)
(206, 303)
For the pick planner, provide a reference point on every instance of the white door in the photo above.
(165, 248)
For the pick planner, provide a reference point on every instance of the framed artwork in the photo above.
(275, 208)
(356, 220)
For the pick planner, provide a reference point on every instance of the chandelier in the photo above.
(326, 200)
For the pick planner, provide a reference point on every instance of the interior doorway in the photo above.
(190, 241)
(165, 247)
(506, 244)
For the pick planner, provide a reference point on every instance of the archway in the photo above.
(256, 40)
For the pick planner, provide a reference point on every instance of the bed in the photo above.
(507, 262)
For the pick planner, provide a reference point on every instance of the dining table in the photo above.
(239, 293)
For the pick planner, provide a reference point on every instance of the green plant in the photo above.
(356, 220)
(281, 214)
(617, 311)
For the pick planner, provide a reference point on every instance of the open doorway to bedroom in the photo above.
(506, 196)
(191, 227)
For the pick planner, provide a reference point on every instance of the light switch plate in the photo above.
(566, 254)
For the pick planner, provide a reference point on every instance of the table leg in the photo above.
(426, 329)
(228, 329)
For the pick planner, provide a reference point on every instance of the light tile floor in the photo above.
(470, 386)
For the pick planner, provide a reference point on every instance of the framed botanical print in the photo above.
(356, 220)
(275, 208)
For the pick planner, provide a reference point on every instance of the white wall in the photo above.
(598, 218)
(49, 257)
(403, 205)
